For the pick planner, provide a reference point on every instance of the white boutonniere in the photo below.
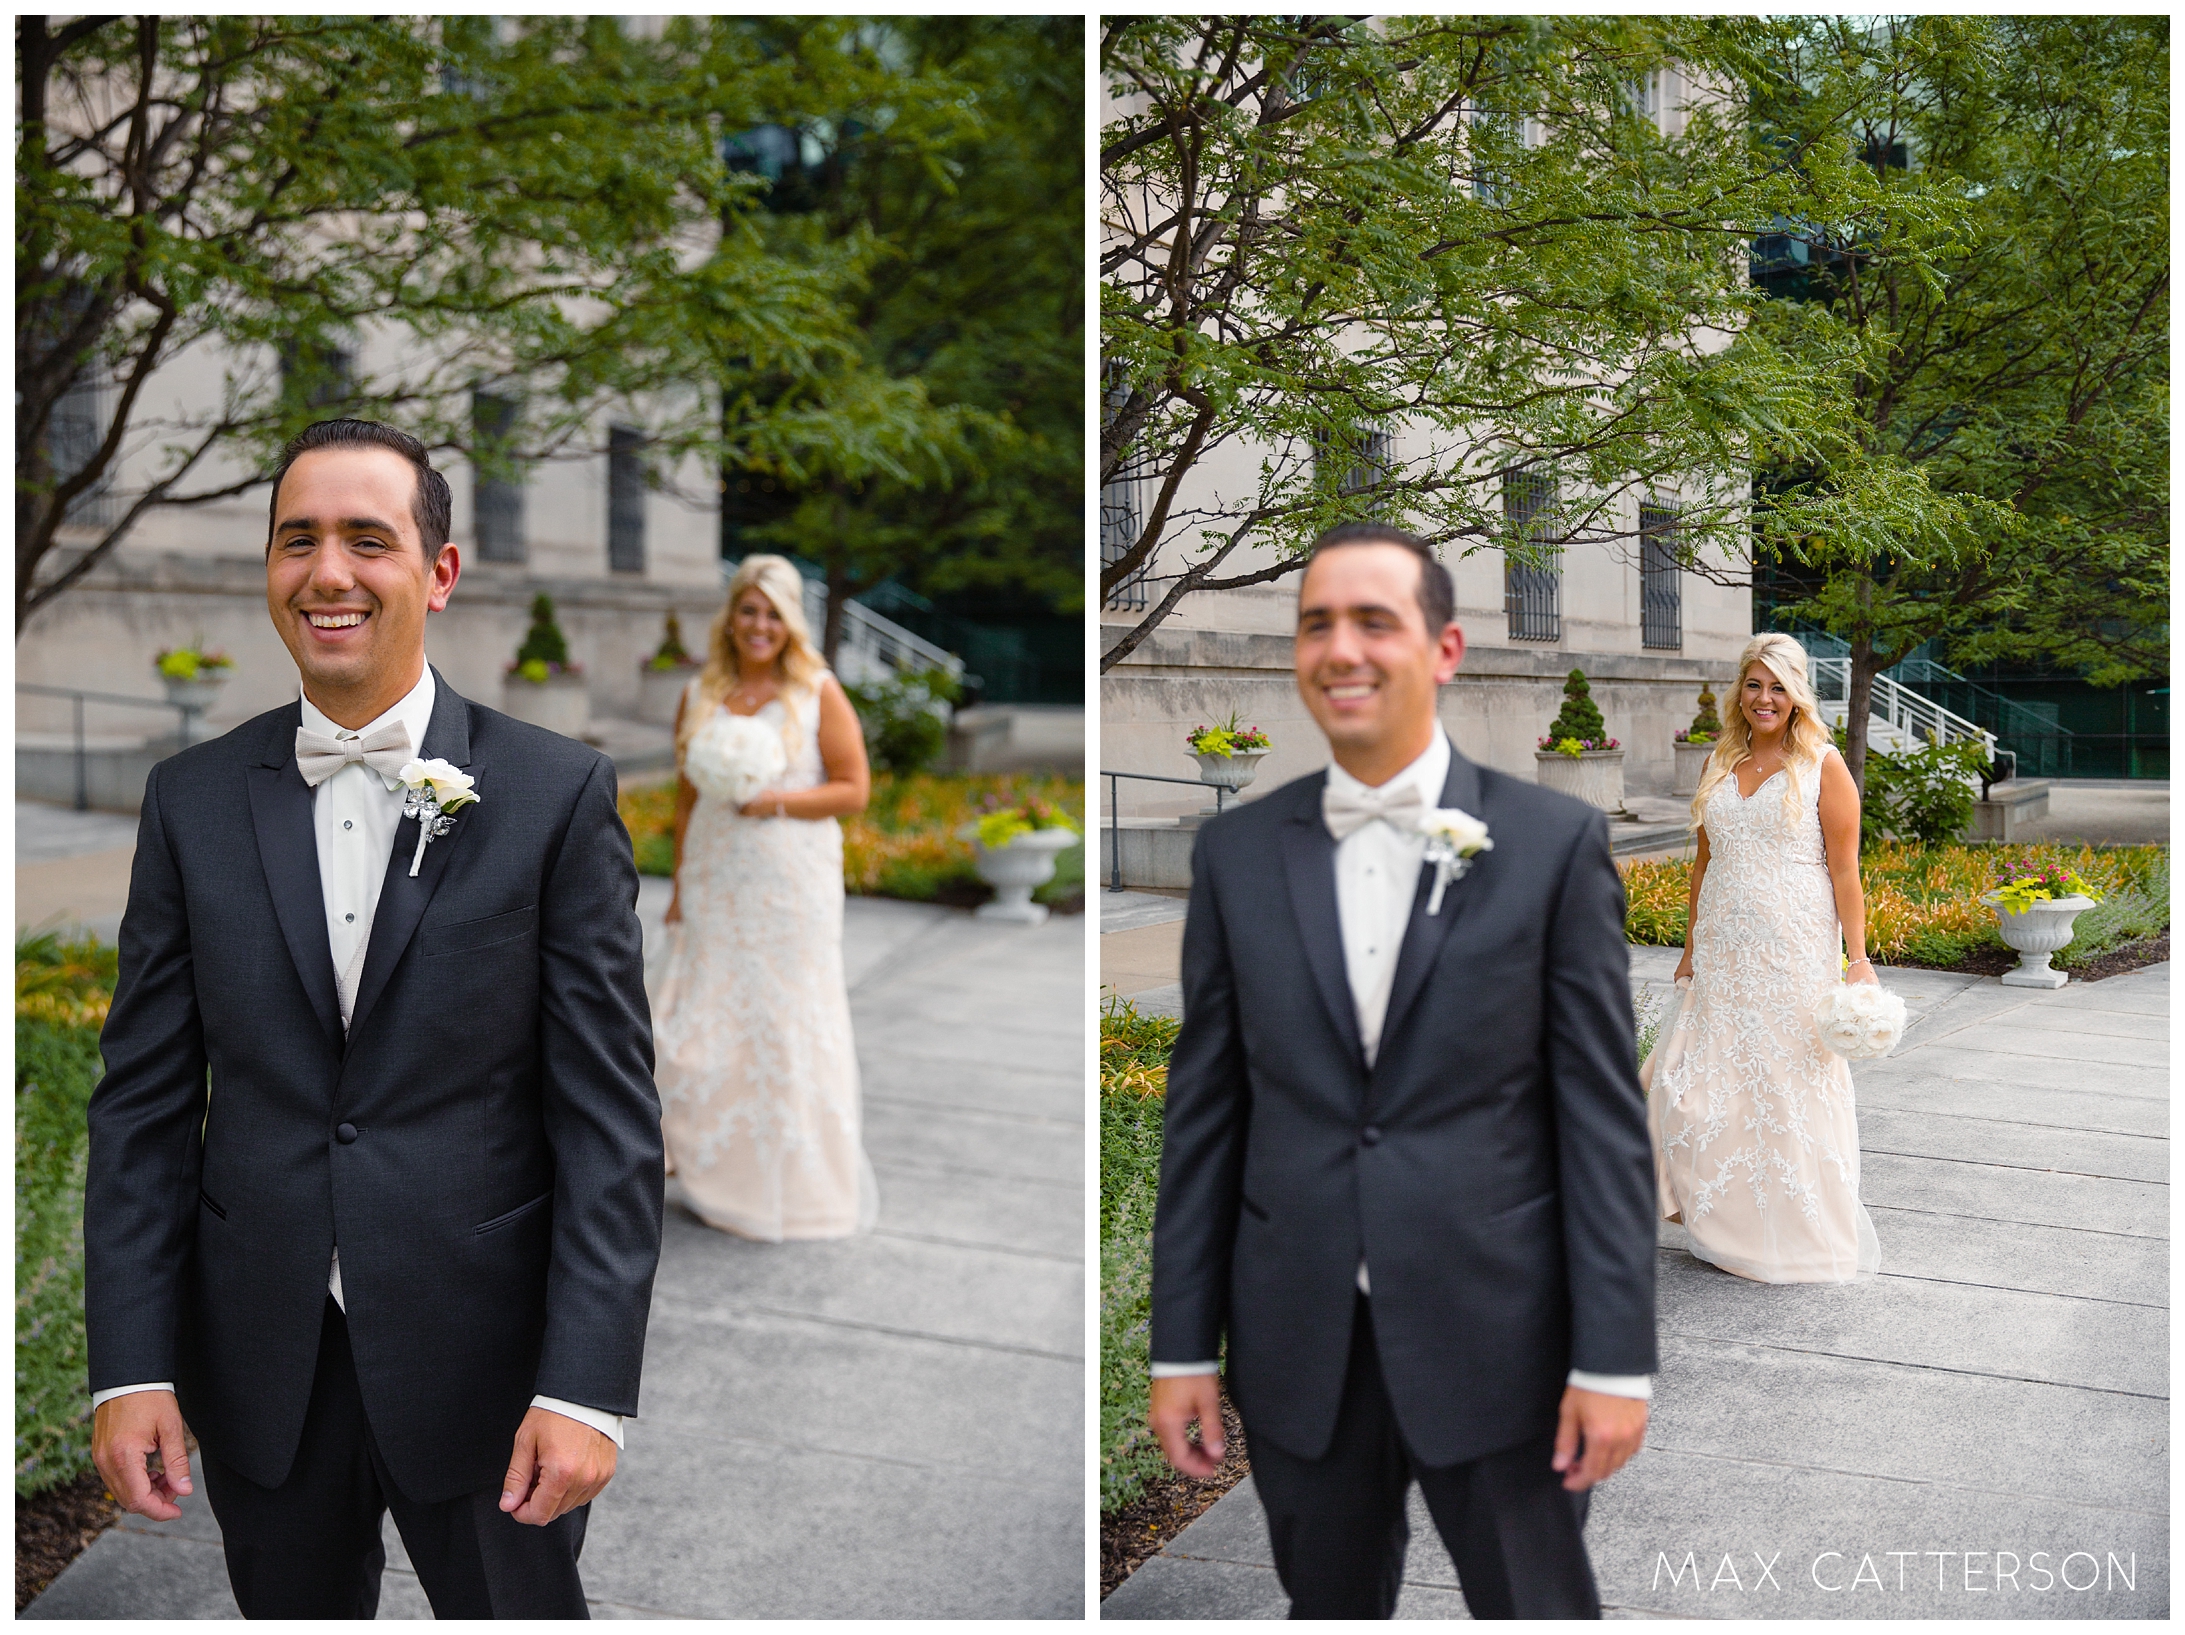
(1453, 839)
(433, 792)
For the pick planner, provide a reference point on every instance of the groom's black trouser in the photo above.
(310, 1548)
(1338, 1522)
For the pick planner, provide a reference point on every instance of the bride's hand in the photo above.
(1684, 968)
(674, 915)
(766, 803)
(1862, 970)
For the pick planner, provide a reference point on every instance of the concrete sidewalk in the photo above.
(1965, 1436)
(886, 1427)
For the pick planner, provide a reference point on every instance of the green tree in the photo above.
(1474, 230)
(1998, 257)
(976, 291)
(539, 207)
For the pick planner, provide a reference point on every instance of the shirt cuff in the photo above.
(111, 1392)
(1614, 1385)
(608, 1425)
(1177, 1371)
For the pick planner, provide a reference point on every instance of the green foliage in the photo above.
(61, 991)
(669, 655)
(1706, 724)
(2135, 911)
(545, 650)
(1580, 717)
(906, 718)
(1133, 1072)
(188, 663)
(1927, 794)
(1321, 232)
(2006, 292)
(1226, 738)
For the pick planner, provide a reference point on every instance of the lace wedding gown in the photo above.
(1755, 1144)
(756, 1065)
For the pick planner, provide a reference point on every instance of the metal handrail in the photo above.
(78, 695)
(1115, 813)
(1911, 713)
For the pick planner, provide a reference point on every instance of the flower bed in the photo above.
(905, 843)
(1923, 903)
(1133, 1077)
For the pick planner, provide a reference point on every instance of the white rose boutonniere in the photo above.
(1453, 839)
(433, 792)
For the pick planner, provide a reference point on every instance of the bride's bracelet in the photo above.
(1861, 960)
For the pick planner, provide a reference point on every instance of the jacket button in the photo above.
(345, 1133)
(1370, 1135)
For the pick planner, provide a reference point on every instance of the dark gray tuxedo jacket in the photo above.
(484, 1145)
(1492, 1167)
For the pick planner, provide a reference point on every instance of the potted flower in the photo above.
(662, 678)
(2034, 905)
(192, 676)
(545, 686)
(1014, 847)
(1228, 754)
(1577, 756)
(1696, 743)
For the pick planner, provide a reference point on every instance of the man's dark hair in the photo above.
(1437, 591)
(431, 505)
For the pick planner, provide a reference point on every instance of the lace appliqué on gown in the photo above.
(1756, 1146)
(756, 1065)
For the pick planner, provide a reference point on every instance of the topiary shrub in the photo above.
(1581, 718)
(545, 651)
(1706, 724)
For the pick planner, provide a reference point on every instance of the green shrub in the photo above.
(56, 1068)
(1580, 717)
(2131, 913)
(1133, 1074)
(1926, 794)
(543, 643)
(905, 718)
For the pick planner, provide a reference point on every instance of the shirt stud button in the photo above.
(351, 918)
(346, 824)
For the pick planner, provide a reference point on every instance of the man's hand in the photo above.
(1176, 1402)
(1612, 1429)
(557, 1465)
(124, 1431)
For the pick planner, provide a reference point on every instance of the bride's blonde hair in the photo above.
(1805, 741)
(798, 664)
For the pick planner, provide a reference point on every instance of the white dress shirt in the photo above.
(355, 816)
(1376, 885)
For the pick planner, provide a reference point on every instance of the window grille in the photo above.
(1122, 507)
(1360, 465)
(317, 374)
(1532, 592)
(1661, 592)
(496, 501)
(73, 433)
(625, 500)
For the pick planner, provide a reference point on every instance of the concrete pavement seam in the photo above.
(969, 1243)
(1904, 1481)
(1916, 1367)
(1040, 1352)
(2024, 1169)
(2009, 1220)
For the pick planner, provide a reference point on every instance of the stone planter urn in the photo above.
(659, 691)
(1016, 870)
(198, 693)
(1595, 776)
(1691, 761)
(2036, 933)
(559, 703)
(1233, 771)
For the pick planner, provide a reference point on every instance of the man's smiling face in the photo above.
(347, 580)
(1367, 667)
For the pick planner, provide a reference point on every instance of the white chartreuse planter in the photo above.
(1595, 776)
(1016, 870)
(1233, 771)
(559, 703)
(198, 693)
(659, 691)
(2037, 932)
(1691, 761)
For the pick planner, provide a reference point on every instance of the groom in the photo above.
(1405, 1170)
(375, 1176)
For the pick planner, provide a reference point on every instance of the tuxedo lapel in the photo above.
(402, 898)
(288, 851)
(1308, 853)
(1425, 935)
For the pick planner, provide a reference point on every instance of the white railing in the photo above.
(1913, 717)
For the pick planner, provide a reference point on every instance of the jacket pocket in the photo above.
(516, 1214)
(468, 936)
(206, 1199)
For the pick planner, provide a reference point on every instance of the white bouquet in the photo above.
(732, 757)
(1860, 1020)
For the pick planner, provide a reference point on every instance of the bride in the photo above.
(1755, 1143)
(756, 1066)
